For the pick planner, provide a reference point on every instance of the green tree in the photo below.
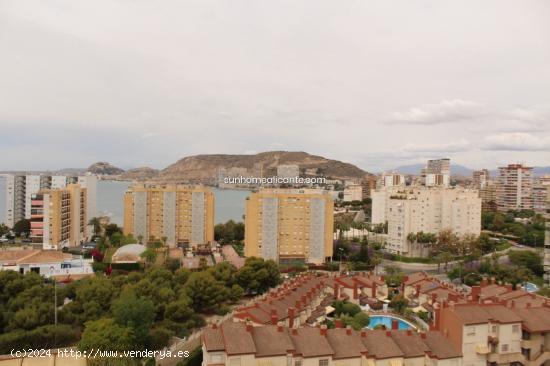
(106, 334)
(258, 275)
(135, 313)
(110, 229)
(204, 291)
(399, 303)
(22, 227)
(527, 259)
(149, 255)
(95, 222)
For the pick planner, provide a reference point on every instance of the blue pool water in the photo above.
(530, 287)
(387, 320)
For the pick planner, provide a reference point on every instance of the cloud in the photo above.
(447, 111)
(516, 141)
(456, 146)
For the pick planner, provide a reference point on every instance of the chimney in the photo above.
(249, 326)
(409, 332)
(394, 324)
(476, 291)
(294, 331)
(290, 312)
(348, 330)
(528, 305)
(437, 317)
(355, 293)
(297, 305)
(279, 327)
(323, 330)
(493, 280)
(214, 325)
(388, 333)
(484, 282)
(373, 295)
(513, 304)
(423, 335)
(363, 333)
(417, 289)
(338, 323)
(336, 290)
(509, 287)
(274, 317)
(453, 297)
(434, 298)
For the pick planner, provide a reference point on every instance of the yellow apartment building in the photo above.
(181, 214)
(58, 217)
(286, 224)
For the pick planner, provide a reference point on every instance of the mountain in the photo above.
(205, 168)
(143, 173)
(104, 168)
(415, 169)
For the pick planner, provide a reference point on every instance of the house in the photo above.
(358, 288)
(45, 262)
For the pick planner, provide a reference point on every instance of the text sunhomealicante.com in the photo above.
(273, 180)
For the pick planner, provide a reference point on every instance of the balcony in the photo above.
(526, 343)
(506, 358)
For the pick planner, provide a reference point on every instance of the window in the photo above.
(515, 328)
(298, 363)
(471, 331)
(323, 362)
(504, 348)
(493, 329)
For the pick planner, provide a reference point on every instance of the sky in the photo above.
(376, 83)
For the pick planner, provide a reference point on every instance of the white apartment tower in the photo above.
(515, 188)
(427, 209)
(21, 188)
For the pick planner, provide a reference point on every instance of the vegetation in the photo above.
(530, 233)
(22, 227)
(229, 232)
(122, 311)
(350, 314)
(524, 266)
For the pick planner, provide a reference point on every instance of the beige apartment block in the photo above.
(427, 209)
(515, 188)
(58, 217)
(177, 214)
(287, 224)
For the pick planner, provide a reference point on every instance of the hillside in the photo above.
(205, 168)
(143, 173)
(104, 168)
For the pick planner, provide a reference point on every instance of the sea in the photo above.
(229, 203)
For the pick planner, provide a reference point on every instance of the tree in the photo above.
(258, 275)
(527, 259)
(149, 255)
(95, 222)
(135, 313)
(204, 291)
(22, 227)
(399, 303)
(4, 229)
(106, 334)
(110, 229)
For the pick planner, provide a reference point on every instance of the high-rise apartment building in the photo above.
(21, 188)
(480, 177)
(437, 173)
(427, 209)
(515, 188)
(368, 183)
(58, 217)
(540, 195)
(288, 224)
(488, 195)
(183, 215)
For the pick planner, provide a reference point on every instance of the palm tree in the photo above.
(96, 223)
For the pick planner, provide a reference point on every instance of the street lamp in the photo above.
(52, 271)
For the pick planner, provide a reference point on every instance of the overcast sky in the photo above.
(376, 83)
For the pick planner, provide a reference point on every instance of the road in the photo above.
(430, 267)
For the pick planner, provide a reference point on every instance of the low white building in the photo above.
(45, 262)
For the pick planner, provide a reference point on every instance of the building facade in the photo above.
(430, 210)
(515, 188)
(182, 215)
(288, 224)
(21, 188)
(480, 178)
(59, 217)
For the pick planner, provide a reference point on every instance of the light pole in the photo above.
(55, 305)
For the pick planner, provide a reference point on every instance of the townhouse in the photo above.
(242, 344)
(300, 301)
(359, 288)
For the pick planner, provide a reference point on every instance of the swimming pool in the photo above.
(530, 287)
(386, 320)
